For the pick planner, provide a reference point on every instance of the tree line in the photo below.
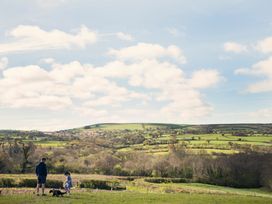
(248, 169)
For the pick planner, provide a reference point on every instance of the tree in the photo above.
(27, 150)
(173, 139)
(87, 162)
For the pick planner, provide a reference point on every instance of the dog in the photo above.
(57, 192)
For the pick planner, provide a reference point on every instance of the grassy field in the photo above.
(102, 197)
(139, 185)
(138, 191)
(50, 143)
(214, 143)
(211, 143)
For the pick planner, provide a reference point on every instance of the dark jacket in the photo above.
(41, 169)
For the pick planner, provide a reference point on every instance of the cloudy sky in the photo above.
(69, 63)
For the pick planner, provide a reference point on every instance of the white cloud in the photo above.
(160, 89)
(261, 69)
(168, 84)
(235, 47)
(262, 114)
(27, 74)
(262, 86)
(265, 45)
(147, 73)
(47, 123)
(48, 60)
(204, 78)
(33, 86)
(43, 101)
(143, 51)
(3, 63)
(30, 38)
(65, 73)
(243, 71)
(124, 36)
(93, 112)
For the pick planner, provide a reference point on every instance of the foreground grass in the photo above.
(138, 192)
(196, 188)
(102, 197)
(140, 186)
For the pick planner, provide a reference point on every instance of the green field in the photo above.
(50, 143)
(100, 197)
(138, 191)
(211, 143)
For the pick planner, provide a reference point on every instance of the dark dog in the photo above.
(57, 192)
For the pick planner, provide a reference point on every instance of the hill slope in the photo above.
(209, 128)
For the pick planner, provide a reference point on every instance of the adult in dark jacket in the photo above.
(41, 172)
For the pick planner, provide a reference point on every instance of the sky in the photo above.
(70, 63)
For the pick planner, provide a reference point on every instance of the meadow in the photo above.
(138, 191)
(135, 198)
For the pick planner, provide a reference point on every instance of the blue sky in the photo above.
(69, 63)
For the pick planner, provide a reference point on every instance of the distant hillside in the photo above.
(131, 126)
(209, 128)
(186, 128)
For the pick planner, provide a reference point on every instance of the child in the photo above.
(68, 182)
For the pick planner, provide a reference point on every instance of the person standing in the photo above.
(68, 182)
(41, 172)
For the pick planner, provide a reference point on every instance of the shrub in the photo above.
(115, 185)
(95, 184)
(54, 184)
(32, 183)
(167, 180)
(118, 171)
(7, 182)
(180, 180)
(101, 184)
(127, 178)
